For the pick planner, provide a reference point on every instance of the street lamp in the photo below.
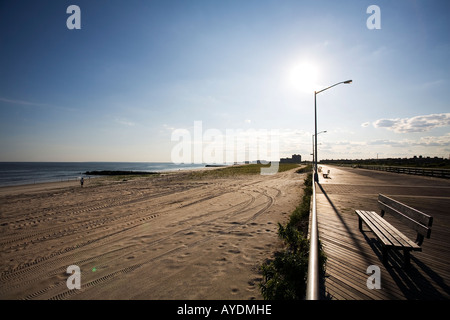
(316, 176)
(313, 142)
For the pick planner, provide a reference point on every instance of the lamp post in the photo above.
(316, 176)
(313, 143)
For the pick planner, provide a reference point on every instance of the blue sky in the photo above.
(116, 89)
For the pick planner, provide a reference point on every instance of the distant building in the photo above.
(296, 158)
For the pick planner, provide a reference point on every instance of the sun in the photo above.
(303, 76)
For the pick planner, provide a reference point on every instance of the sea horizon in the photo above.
(13, 173)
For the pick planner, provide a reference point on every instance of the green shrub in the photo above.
(299, 218)
(237, 170)
(284, 278)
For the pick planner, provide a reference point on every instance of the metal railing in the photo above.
(430, 172)
(312, 284)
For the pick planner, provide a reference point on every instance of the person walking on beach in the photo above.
(82, 181)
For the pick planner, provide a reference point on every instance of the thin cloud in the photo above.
(168, 127)
(125, 122)
(442, 141)
(389, 143)
(24, 103)
(429, 141)
(33, 104)
(432, 84)
(415, 124)
(345, 149)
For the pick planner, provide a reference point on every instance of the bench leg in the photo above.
(407, 258)
(419, 239)
(360, 224)
(385, 255)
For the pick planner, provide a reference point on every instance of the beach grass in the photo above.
(219, 172)
(237, 170)
(131, 177)
(284, 277)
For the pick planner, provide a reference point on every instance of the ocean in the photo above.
(20, 173)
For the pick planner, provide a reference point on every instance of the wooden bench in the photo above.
(326, 174)
(388, 235)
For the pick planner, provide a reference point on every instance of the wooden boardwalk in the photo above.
(350, 252)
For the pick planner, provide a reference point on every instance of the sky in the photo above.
(137, 73)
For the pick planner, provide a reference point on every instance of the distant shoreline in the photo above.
(20, 173)
(118, 173)
(216, 165)
(96, 174)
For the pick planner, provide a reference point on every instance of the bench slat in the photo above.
(366, 217)
(420, 228)
(388, 234)
(408, 211)
(399, 237)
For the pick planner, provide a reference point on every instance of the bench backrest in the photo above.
(413, 218)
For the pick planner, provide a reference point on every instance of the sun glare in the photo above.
(303, 77)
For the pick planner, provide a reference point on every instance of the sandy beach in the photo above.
(175, 236)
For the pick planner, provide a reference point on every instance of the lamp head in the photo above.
(348, 81)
